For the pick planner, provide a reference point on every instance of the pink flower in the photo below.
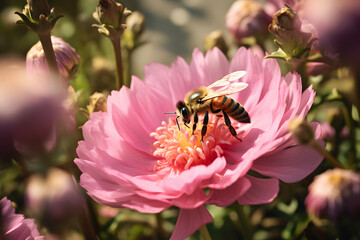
(134, 155)
(66, 58)
(337, 23)
(246, 18)
(54, 199)
(14, 226)
(334, 194)
(30, 109)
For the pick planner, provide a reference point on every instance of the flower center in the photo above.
(181, 150)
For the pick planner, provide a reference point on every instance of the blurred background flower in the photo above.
(14, 226)
(31, 109)
(54, 199)
(335, 194)
(246, 18)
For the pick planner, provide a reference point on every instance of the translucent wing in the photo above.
(227, 85)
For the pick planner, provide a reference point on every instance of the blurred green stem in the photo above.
(118, 59)
(87, 224)
(127, 67)
(45, 39)
(159, 225)
(244, 222)
(204, 232)
(326, 154)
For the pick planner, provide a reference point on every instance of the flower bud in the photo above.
(66, 58)
(334, 194)
(295, 37)
(112, 13)
(136, 23)
(301, 131)
(30, 109)
(54, 199)
(285, 23)
(216, 39)
(97, 103)
(246, 18)
(38, 7)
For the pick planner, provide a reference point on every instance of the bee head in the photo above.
(183, 111)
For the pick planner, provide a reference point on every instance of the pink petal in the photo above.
(197, 68)
(289, 165)
(157, 74)
(261, 191)
(227, 196)
(186, 182)
(216, 64)
(180, 81)
(189, 221)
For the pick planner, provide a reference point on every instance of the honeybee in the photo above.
(205, 99)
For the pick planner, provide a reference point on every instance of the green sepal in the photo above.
(26, 21)
(279, 54)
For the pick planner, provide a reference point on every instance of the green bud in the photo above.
(216, 39)
(136, 23)
(301, 131)
(111, 13)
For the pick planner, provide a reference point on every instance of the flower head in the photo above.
(334, 194)
(66, 58)
(135, 156)
(55, 199)
(246, 18)
(14, 226)
(31, 107)
(216, 39)
(295, 36)
(340, 33)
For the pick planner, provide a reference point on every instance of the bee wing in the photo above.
(227, 85)
(227, 79)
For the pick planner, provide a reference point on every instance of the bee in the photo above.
(205, 99)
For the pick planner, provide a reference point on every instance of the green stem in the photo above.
(118, 59)
(204, 232)
(159, 225)
(87, 224)
(47, 46)
(326, 154)
(244, 222)
(127, 67)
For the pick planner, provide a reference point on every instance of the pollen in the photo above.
(179, 150)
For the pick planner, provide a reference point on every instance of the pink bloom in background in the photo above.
(134, 155)
(334, 194)
(246, 18)
(31, 109)
(340, 33)
(66, 58)
(14, 226)
(54, 199)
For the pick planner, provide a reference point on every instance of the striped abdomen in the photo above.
(232, 108)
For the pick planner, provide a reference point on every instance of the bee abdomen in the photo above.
(232, 108)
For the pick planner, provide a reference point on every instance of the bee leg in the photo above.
(177, 122)
(205, 123)
(196, 119)
(228, 124)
